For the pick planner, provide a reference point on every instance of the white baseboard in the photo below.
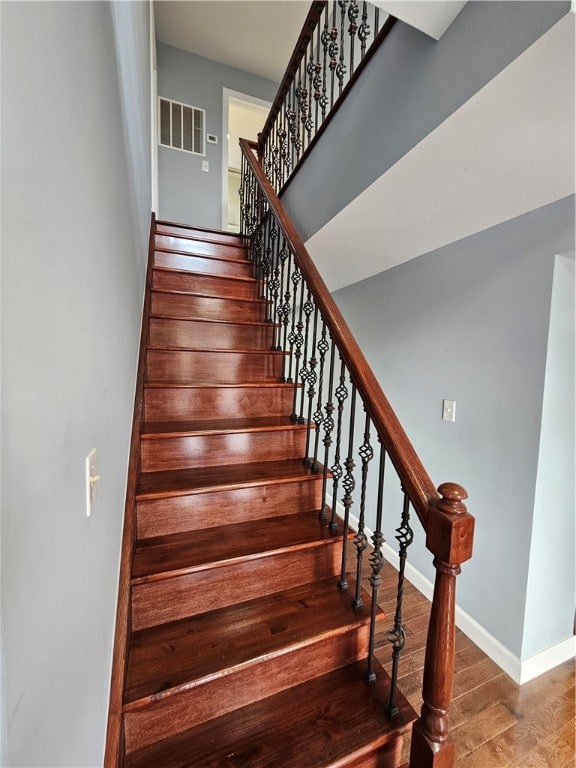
(520, 670)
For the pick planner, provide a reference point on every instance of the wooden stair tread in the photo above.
(212, 385)
(154, 430)
(200, 295)
(199, 254)
(220, 321)
(216, 276)
(199, 233)
(163, 556)
(166, 657)
(184, 481)
(254, 351)
(329, 721)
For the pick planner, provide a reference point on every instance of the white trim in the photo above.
(541, 662)
(520, 670)
(229, 95)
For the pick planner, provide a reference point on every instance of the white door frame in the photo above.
(229, 95)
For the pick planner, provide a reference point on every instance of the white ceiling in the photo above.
(257, 36)
(508, 150)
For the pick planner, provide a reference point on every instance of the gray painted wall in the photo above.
(469, 322)
(75, 214)
(186, 193)
(411, 86)
(551, 591)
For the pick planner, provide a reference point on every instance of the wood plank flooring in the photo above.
(495, 723)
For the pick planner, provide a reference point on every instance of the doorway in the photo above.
(244, 117)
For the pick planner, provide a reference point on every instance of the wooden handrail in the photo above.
(418, 485)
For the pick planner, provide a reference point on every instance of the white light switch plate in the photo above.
(449, 410)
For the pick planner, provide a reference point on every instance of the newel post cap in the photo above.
(452, 496)
(450, 526)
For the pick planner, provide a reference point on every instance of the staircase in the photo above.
(239, 649)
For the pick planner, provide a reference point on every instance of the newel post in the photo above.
(449, 538)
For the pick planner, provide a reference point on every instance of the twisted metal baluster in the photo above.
(298, 342)
(348, 484)
(317, 79)
(295, 278)
(323, 347)
(275, 286)
(328, 429)
(366, 453)
(307, 374)
(283, 311)
(397, 636)
(353, 13)
(312, 379)
(341, 67)
(286, 311)
(376, 561)
(333, 52)
(336, 468)
(363, 30)
(325, 38)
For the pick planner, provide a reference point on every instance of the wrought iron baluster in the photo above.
(275, 293)
(336, 468)
(341, 66)
(353, 13)
(310, 69)
(333, 52)
(312, 379)
(328, 425)
(317, 79)
(348, 484)
(366, 453)
(397, 636)
(363, 30)
(376, 20)
(376, 561)
(319, 419)
(283, 311)
(325, 38)
(305, 371)
(297, 340)
(295, 278)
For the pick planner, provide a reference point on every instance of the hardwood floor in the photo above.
(494, 722)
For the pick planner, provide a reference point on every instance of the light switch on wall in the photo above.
(449, 410)
(91, 479)
(205, 165)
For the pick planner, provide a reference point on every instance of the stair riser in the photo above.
(208, 285)
(163, 600)
(224, 694)
(202, 307)
(200, 248)
(389, 756)
(199, 234)
(187, 404)
(209, 335)
(206, 265)
(168, 453)
(161, 517)
(217, 367)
